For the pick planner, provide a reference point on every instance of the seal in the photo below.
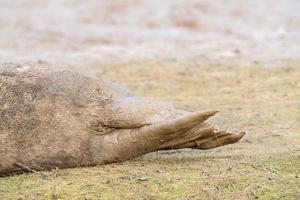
(58, 118)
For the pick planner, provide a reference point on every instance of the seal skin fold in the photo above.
(58, 118)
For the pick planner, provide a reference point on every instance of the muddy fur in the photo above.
(57, 118)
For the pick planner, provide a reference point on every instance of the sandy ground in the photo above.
(251, 32)
(239, 57)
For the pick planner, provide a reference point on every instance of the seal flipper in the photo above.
(124, 144)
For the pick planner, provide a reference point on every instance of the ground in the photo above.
(241, 58)
(266, 165)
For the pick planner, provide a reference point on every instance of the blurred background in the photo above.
(239, 57)
(74, 30)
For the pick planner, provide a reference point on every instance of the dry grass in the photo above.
(265, 102)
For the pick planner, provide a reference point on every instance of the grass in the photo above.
(265, 102)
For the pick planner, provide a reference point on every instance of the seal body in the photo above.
(57, 118)
(48, 116)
